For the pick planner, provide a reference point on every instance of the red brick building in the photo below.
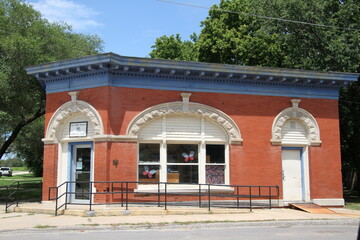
(115, 118)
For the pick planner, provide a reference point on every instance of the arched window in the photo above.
(184, 143)
(295, 126)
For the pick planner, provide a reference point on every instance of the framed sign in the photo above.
(78, 129)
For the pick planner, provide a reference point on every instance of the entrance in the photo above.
(81, 172)
(293, 179)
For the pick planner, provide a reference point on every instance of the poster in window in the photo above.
(78, 129)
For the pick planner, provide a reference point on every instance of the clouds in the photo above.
(80, 17)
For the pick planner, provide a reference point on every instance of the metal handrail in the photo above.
(18, 190)
(202, 192)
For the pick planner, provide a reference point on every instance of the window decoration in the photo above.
(188, 157)
(215, 164)
(182, 167)
(147, 172)
(149, 162)
(215, 174)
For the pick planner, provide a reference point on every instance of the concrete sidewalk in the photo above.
(30, 218)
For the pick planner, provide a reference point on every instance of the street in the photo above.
(305, 230)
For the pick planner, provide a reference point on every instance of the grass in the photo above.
(5, 180)
(352, 200)
(30, 191)
(19, 169)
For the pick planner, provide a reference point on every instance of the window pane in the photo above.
(149, 173)
(182, 174)
(149, 152)
(215, 174)
(215, 153)
(182, 153)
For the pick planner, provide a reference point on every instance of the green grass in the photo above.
(19, 169)
(352, 200)
(5, 181)
(30, 191)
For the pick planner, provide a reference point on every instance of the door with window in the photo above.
(81, 172)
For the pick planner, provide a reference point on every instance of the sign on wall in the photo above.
(78, 129)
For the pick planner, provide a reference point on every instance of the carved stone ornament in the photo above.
(192, 109)
(299, 114)
(68, 109)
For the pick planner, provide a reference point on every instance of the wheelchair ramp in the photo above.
(311, 208)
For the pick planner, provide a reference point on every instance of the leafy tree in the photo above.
(28, 39)
(32, 153)
(232, 38)
(173, 47)
(12, 162)
(349, 130)
(251, 32)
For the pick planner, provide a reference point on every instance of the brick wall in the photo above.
(255, 162)
(50, 167)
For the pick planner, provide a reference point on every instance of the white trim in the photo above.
(64, 112)
(227, 164)
(300, 114)
(193, 109)
(305, 173)
(181, 188)
(330, 202)
(201, 160)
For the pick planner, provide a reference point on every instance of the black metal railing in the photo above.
(162, 194)
(21, 191)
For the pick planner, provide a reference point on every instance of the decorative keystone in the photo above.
(295, 103)
(74, 96)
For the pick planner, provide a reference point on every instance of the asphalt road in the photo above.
(288, 230)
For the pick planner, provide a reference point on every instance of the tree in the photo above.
(232, 38)
(28, 39)
(173, 47)
(251, 32)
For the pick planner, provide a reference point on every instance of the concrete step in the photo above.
(121, 211)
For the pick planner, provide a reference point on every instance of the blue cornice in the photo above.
(110, 69)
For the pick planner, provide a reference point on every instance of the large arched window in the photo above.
(185, 143)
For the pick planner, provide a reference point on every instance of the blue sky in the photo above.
(128, 27)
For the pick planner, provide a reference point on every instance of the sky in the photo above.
(127, 27)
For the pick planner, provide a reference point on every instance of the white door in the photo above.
(292, 176)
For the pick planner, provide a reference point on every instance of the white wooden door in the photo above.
(292, 176)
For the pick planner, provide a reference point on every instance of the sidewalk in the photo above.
(152, 215)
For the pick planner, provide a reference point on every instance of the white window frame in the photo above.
(201, 166)
(201, 141)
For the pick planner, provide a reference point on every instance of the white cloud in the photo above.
(78, 16)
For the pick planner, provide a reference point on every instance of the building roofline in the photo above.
(199, 69)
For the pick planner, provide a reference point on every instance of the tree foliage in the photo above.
(250, 32)
(173, 47)
(28, 39)
(232, 38)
